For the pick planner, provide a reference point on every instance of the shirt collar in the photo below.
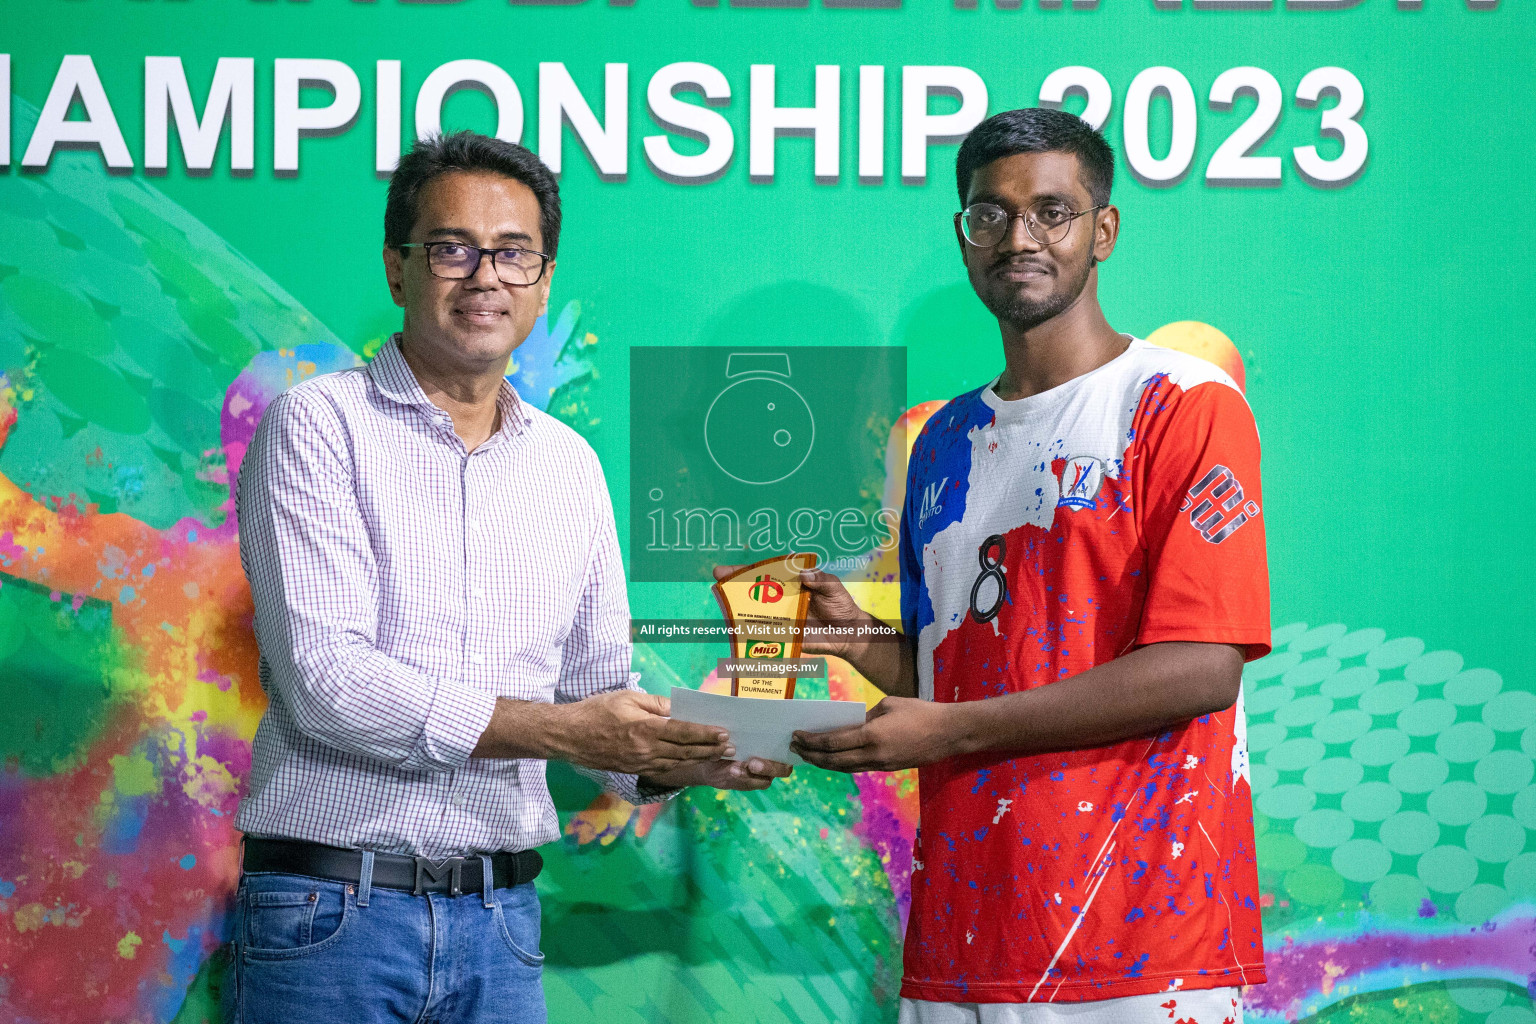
(514, 413)
(393, 377)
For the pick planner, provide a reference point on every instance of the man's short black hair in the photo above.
(468, 151)
(1038, 130)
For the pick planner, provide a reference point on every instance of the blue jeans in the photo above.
(310, 949)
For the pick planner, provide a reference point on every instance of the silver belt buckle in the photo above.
(435, 871)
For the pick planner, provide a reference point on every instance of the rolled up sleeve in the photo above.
(598, 651)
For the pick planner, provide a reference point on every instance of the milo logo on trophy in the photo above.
(765, 607)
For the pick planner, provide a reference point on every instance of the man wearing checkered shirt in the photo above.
(440, 609)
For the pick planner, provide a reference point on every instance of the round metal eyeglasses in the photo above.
(1047, 221)
(456, 261)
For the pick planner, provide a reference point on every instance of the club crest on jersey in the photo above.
(930, 506)
(1216, 506)
(1080, 480)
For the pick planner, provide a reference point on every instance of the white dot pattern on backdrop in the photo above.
(1392, 775)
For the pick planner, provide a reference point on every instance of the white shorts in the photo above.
(1200, 1006)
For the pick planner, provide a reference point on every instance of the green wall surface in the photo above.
(1381, 320)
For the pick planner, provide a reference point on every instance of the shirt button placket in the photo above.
(475, 638)
(471, 531)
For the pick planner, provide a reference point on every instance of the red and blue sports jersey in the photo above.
(1042, 537)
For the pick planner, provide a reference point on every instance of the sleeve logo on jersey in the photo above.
(1080, 480)
(1216, 506)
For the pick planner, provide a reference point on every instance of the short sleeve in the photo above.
(910, 558)
(1201, 517)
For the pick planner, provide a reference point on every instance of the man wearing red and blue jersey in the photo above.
(1083, 576)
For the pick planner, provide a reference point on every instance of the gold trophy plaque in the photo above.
(765, 606)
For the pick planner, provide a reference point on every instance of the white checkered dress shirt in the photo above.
(401, 586)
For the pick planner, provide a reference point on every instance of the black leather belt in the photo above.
(416, 875)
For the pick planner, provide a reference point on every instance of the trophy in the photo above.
(765, 607)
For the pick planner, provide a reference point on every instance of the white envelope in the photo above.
(762, 727)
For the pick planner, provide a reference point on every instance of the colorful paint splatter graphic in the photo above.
(1393, 783)
(1393, 798)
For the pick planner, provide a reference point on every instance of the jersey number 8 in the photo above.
(991, 573)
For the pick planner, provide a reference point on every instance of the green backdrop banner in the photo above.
(191, 197)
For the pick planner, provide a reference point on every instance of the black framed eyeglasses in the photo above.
(456, 261)
(1047, 221)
